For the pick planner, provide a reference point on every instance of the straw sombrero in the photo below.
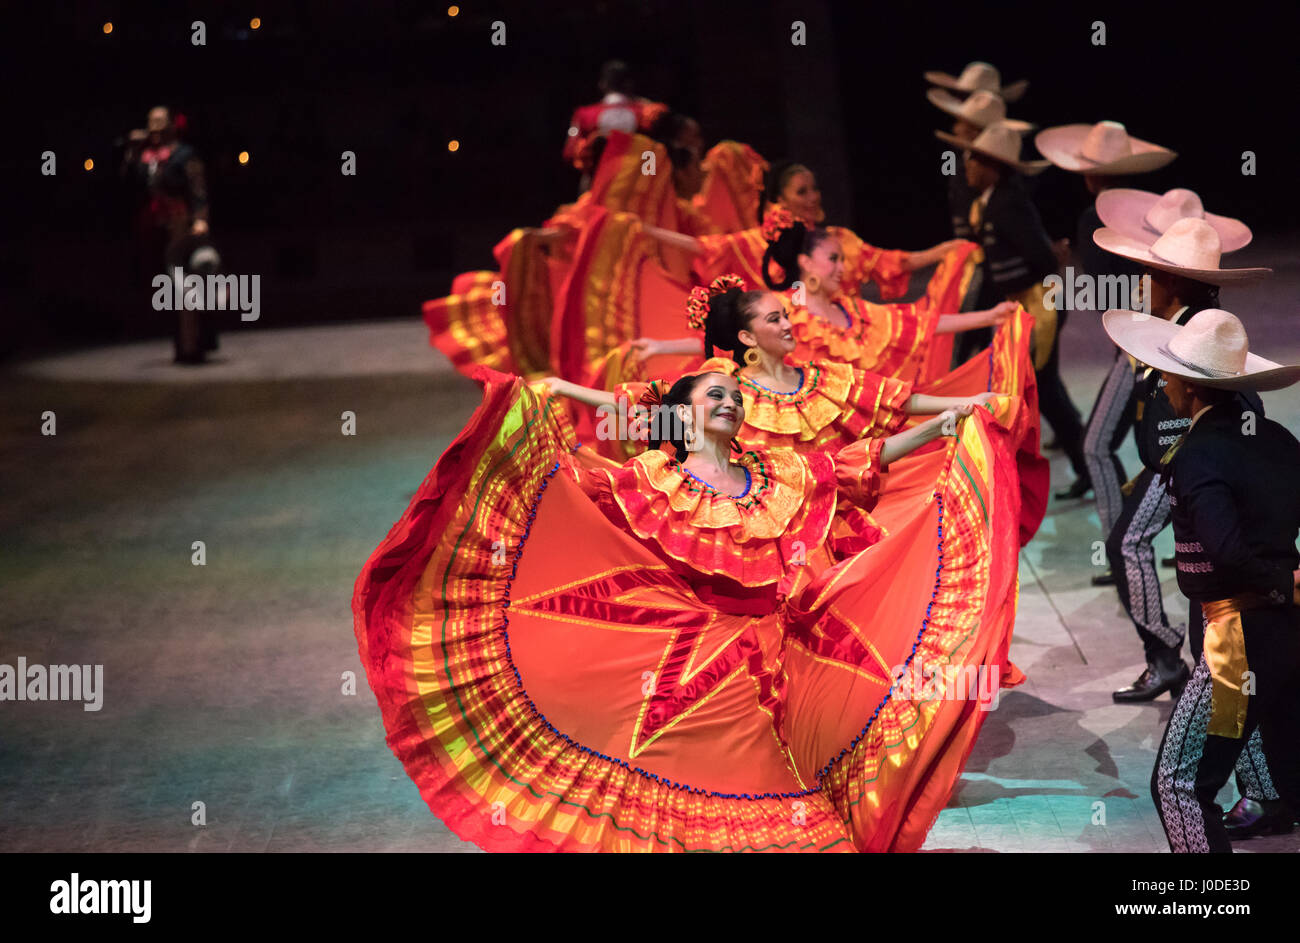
(1189, 247)
(981, 108)
(1210, 349)
(1145, 216)
(979, 75)
(1104, 148)
(1000, 141)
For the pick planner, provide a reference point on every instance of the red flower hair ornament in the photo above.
(697, 305)
(776, 221)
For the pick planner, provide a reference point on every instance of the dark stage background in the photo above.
(395, 80)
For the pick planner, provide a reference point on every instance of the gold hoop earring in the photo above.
(813, 284)
(752, 357)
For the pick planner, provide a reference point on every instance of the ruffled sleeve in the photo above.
(739, 252)
(858, 471)
(870, 405)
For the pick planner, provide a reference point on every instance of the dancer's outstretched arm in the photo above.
(583, 394)
(916, 260)
(676, 239)
(992, 317)
(918, 404)
(944, 424)
(652, 347)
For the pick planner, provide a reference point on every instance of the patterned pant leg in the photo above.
(1253, 780)
(1099, 441)
(1191, 767)
(1145, 604)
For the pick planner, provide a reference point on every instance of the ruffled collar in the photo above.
(846, 344)
(822, 397)
(784, 513)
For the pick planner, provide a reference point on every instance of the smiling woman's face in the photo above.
(769, 327)
(717, 406)
(826, 261)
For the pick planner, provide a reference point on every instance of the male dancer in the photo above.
(1235, 530)
(1184, 277)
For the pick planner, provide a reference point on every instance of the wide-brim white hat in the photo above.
(980, 108)
(1145, 216)
(1190, 248)
(1105, 148)
(1210, 349)
(979, 75)
(1001, 142)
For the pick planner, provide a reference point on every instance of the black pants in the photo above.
(1132, 560)
(1193, 765)
(1110, 420)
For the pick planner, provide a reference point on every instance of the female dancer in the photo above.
(699, 667)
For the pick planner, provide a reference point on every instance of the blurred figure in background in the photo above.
(617, 110)
(169, 199)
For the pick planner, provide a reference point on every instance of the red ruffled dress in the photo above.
(571, 654)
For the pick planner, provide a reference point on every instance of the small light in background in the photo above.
(255, 23)
(89, 164)
(453, 146)
(108, 28)
(243, 157)
(453, 10)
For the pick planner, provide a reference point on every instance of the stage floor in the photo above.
(224, 682)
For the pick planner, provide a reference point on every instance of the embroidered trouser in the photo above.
(1112, 415)
(1192, 765)
(1133, 561)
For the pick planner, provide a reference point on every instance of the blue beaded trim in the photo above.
(682, 787)
(797, 389)
(847, 317)
(749, 483)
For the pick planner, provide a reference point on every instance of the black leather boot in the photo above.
(1155, 681)
(1249, 818)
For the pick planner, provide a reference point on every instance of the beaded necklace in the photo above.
(749, 482)
(797, 389)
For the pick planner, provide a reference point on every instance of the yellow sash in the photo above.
(1044, 333)
(1225, 654)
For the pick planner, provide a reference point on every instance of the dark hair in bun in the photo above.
(666, 428)
(729, 313)
(794, 241)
